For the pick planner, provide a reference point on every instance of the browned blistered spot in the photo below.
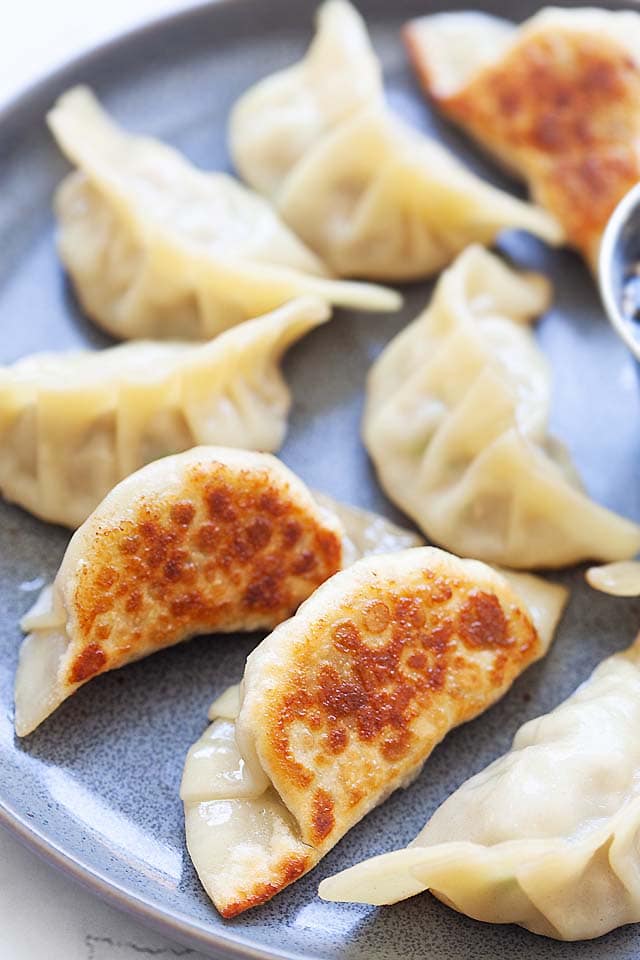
(291, 533)
(395, 746)
(376, 616)
(183, 512)
(149, 530)
(499, 667)
(436, 675)
(340, 698)
(481, 621)
(129, 544)
(89, 661)
(241, 548)
(322, 815)
(208, 537)
(133, 602)
(365, 696)
(314, 719)
(220, 501)
(440, 591)
(259, 531)
(327, 544)
(563, 106)
(417, 661)
(295, 706)
(337, 739)
(102, 631)
(186, 604)
(439, 636)
(99, 606)
(303, 563)
(263, 593)
(284, 873)
(174, 567)
(270, 502)
(345, 634)
(106, 577)
(409, 610)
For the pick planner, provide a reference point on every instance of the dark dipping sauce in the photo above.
(631, 293)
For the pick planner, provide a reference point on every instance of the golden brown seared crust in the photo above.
(286, 872)
(378, 682)
(233, 551)
(562, 107)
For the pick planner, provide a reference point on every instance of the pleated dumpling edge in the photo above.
(73, 424)
(157, 248)
(456, 423)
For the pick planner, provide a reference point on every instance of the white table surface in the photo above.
(44, 915)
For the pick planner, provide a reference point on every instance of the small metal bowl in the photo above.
(619, 269)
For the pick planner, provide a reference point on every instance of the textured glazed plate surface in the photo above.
(96, 787)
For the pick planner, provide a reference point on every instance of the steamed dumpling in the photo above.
(621, 579)
(159, 249)
(456, 424)
(546, 836)
(73, 424)
(555, 99)
(343, 703)
(373, 197)
(213, 540)
(277, 121)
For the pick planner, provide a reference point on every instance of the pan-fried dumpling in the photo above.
(456, 424)
(343, 703)
(73, 424)
(210, 540)
(159, 249)
(373, 197)
(546, 836)
(555, 99)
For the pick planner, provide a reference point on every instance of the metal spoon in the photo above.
(619, 269)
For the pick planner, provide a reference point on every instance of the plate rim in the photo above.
(178, 926)
(175, 925)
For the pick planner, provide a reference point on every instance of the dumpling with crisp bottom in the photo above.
(343, 703)
(159, 249)
(546, 836)
(213, 540)
(556, 99)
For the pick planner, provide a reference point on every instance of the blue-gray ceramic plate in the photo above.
(95, 789)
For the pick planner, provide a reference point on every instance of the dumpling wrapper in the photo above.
(73, 424)
(620, 579)
(373, 197)
(456, 421)
(556, 99)
(157, 248)
(213, 540)
(343, 703)
(547, 835)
